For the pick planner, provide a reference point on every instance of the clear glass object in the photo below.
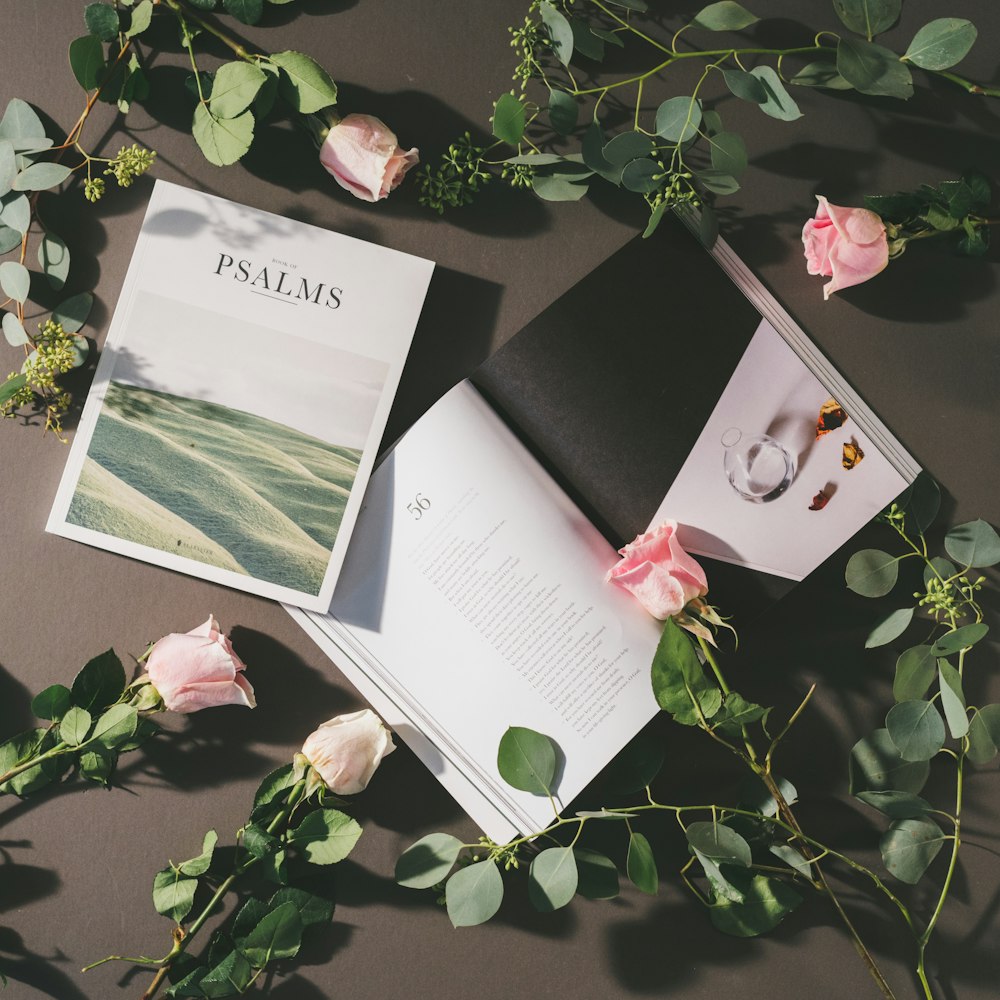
(757, 466)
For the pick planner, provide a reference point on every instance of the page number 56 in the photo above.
(419, 505)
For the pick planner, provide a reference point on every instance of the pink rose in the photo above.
(659, 573)
(198, 670)
(347, 750)
(362, 154)
(848, 244)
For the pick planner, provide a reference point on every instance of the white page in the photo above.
(241, 397)
(473, 596)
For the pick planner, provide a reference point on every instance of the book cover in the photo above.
(241, 397)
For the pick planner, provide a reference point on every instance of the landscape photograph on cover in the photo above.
(227, 443)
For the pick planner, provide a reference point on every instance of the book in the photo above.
(238, 406)
(474, 598)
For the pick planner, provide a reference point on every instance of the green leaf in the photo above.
(745, 86)
(916, 728)
(625, 147)
(890, 627)
(597, 876)
(473, 894)
(637, 764)
(586, 42)
(100, 683)
(101, 20)
(563, 111)
(527, 760)
(325, 836)
(721, 885)
(560, 31)
(508, 119)
(41, 177)
(13, 331)
(247, 11)
(679, 682)
(116, 726)
(86, 59)
(15, 212)
(9, 238)
(909, 846)
(222, 140)
(312, 909)
(258, 841)
(428, 861)
(611, 37)
(872, 572)
(52, 703)
(729, 153)
(779, 103)
(234, 89)
(916, 669)
(72, 313)
(552, 879)
(199, 865)
(984, 734)
(717, 181)
(952, 699)
(677, 119)
(961, 638)
(277, 936)
(876, 766)
(11, 386)
(8, 166)
(142, 17)
(766, 902)
(973, 544)
(641, 865)
(53, 258)
(642, 176)
(921, 500)
(145, 731)
(755, 795)
(15, 280)
(75, 725)
(942, 43)
(232, 976)
(872, 69)
(724, 16)
(979, 185)
(719, 843)
(821, 73)
(20, 122)
(173, 894)
(792, 858)
(304, 83)
(737, 712)
(897, 805)
(938, 567)
(868, 17)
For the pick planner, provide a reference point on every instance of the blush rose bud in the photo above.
(346, 750)
(198, 670)
(362, 154)
(847, 244)
(658, 573)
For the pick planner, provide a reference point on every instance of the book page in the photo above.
(473, 596)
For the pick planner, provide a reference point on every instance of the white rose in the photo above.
(347, 750)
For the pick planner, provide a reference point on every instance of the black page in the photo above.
(612, 384)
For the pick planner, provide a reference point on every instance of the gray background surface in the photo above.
(920, 343)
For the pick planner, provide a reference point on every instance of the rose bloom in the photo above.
(847, 244)
(347, 750)
(198, 670)
(657, 571)
(362, 155)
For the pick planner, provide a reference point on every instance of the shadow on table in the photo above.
(21, 965)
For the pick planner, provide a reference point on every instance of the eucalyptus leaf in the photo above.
(678, 119)
(719, 842)
(52, 703)
(642, 176)
(20, 122)
(872, 572)
(766, 902)
(15, 212)
(473, 894)
(563, 111)
(952, 699)
(234, 88)
(877, 766)
(86, 60)
(54, 259)
(897, 805)
(890, 627)
(942, 43)
(973, 544)
(9, 238)
(938, 567)
(984, 734)
(921, 501)
(12, 385)
(872, 69)
(304, 83)
(222, 140)
(173, 894)
(74, 726)
(8, 166)
(552, 879)
(41, 177)
(72, 313)
(509, 119)
(916, 669)
(916, 728)
(717, 181)
(729, 153)
(641, 865)
(597, 876)
(961, 638)
(792, 858)
(277, 936)
(13, 331)
(724, 16)
(325, 836)
(592, 149)
(909, 846)
(428, 861)
(627, 146)
(744, 85)
(527, 760)
(560, 31)
(15, 280)
(721, 886)
(100, 683)
(778, 103)
(655, 218)
(586, 42)
(820, 73)
(868, 17)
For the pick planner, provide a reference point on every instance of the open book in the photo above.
(473, 595)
